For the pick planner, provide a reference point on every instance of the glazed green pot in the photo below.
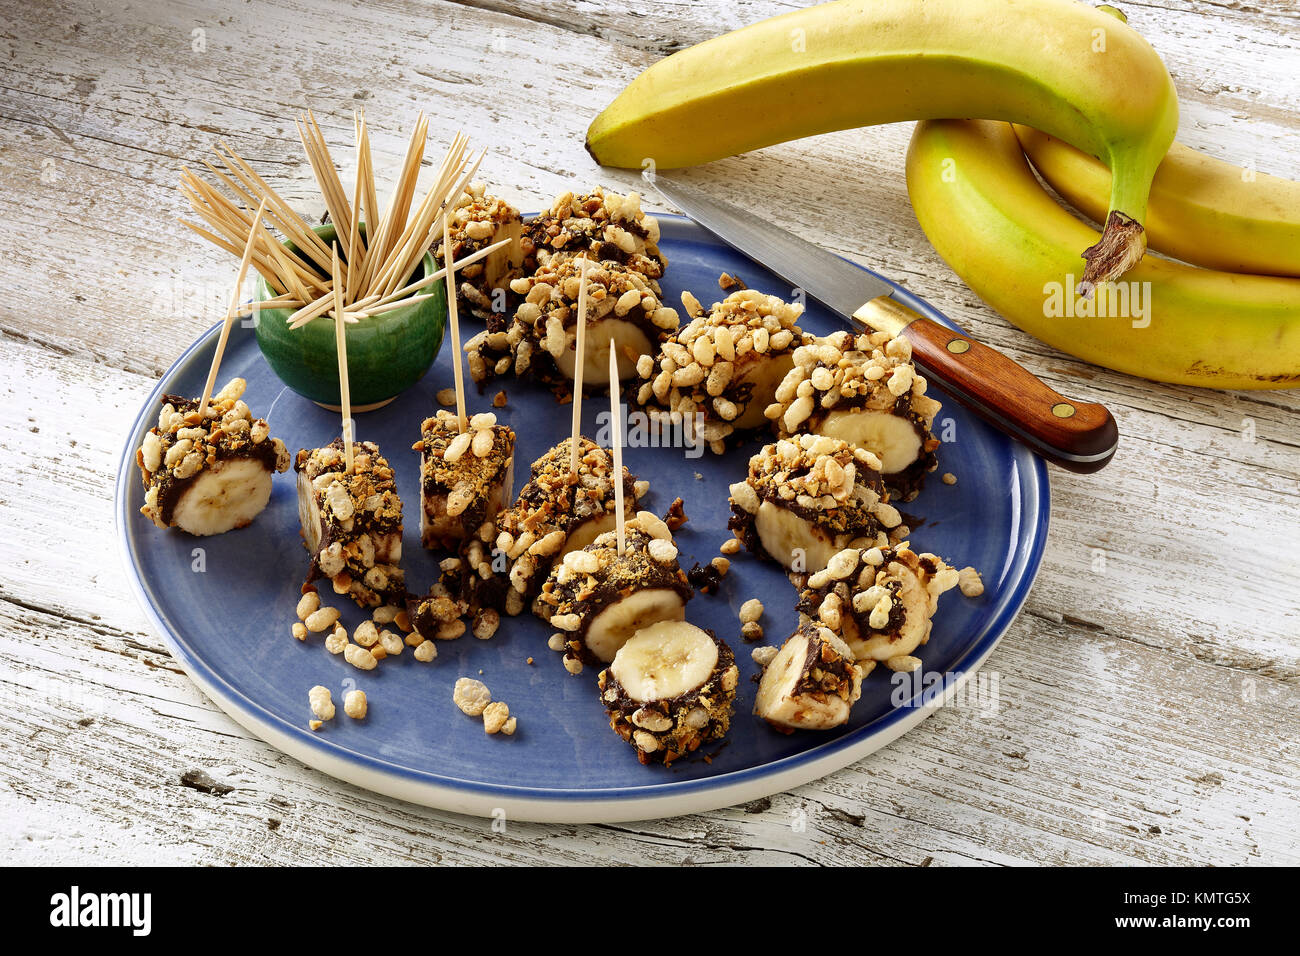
(387, 353)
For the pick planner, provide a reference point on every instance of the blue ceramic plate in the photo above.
(224, 605)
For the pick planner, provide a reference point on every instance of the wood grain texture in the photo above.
(1149, 702)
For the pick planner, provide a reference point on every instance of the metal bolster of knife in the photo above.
(884, 313)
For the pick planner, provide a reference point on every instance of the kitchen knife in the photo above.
(1078, 436)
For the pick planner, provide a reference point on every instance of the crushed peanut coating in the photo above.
(870, 372)
(553, 505)
(477, 221)
(825, 480)
(463, 475)
(352, 522)
(605, 226)
(718, 373)
(541, 340)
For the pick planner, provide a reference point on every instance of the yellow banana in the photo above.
(1202, 210)
(987, 214)
(1056, 65)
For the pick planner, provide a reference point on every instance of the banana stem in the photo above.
(1122, 244)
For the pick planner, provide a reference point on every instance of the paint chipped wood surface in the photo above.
(1148, 712)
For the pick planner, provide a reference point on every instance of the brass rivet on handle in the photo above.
(958, 346)
(1063, 410)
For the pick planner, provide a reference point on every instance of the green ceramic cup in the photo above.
(387, 353)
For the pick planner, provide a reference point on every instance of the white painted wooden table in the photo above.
(1149, 706)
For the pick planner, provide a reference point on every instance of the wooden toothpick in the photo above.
(233, 310)
(616, 443)
(341, 345)
(579, 348)
(459, 375)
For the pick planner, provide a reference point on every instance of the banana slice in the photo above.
(664, 661)
(725, 366)
(352, 522)
(225, 495)
(598, 598)
(794, 542)
(863, 389)
(611, 628)
(209, 473)
(811, 684)
(309, 516)
(807, 498)
(628, 339)
(894, 440)
(670, 689)
(880, 601)
(762, 377)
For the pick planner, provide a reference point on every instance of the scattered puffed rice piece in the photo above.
(426, 651)
(322, 705)
(355, 704)
(508, 728)
(446, 397)
(308, 604)
(904, 663)
(495, 716)
(391, 643)
(970, 582)
(471, 696)
(366, 634)
(338, 640)
(299, 630)
(730, 546)
(486, 623)
(752, 631)
(321, 619)
(751, 610)
(762, 656)
(949, 478)
(360, 658)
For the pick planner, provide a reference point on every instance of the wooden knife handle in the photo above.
(1078, 436)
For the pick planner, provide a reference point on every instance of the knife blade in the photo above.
(1078, 436)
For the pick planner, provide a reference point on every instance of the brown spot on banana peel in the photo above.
(1122, 244)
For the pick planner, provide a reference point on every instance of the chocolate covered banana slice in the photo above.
(881, 601)
(207, 474)
(807, 498)
(557, 512)
(670, 688)
(477, 221)
(720, 372)
(352, 522)
(604, 227)
(811, 684)
(597, 598)
(623, 313)
(465, 477)
(863, 389)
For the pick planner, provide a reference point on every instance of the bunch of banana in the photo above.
(988, 216)
(1202, 210)
(1055, 65)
